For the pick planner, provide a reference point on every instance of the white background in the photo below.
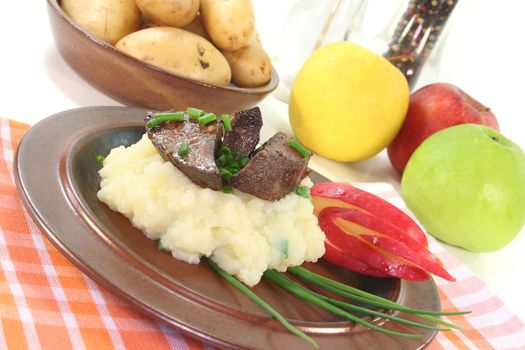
(483, 54)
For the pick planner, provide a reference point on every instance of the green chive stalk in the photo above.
(159, 118)
(264, 305)
(364, 310)
(293, 143)
(303, 293)
(227, 122)
(370, 299)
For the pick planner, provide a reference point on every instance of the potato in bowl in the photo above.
(154, 32)
(178, 51)
(137, 83)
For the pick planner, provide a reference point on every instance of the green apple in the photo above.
(466, 185)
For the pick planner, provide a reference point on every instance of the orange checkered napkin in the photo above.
(47, 303)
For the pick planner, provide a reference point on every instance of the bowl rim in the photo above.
(263, 89)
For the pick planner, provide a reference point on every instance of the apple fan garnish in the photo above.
(366, 234)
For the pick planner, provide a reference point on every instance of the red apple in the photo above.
(433, 108)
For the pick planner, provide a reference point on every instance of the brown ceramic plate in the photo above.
(139, 84)
(57, 178)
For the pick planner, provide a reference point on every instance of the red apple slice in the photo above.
(342, 195)
(388, 239)
(340, 258)
(362, 251)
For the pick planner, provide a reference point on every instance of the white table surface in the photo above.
(483, 54)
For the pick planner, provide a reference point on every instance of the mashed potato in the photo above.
(243, 234)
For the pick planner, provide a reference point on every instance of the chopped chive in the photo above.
(229, 158)
(100, 158)
(226, 150)
(207, 118)
(159, 118)
(184, 148)
(162, 247)
(229, 162)
(169, 116)
(153, 122)
(227, 189)
(303, 191)
(264, 305)
(299, 148)
(227, 122)
(195, 112)
(284, 282)
(221, 160)
(226, 174)
(243, 162)
(283, 248)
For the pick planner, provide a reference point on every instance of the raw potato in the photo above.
(174, 13)
(179, 51)
(250, 65)
(109, 20)
(229, 23)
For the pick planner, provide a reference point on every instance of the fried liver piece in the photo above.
(203, 141)
(246, 126)
(274, 170)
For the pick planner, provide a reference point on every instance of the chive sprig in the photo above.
(338, 307)
(293, 143)
(264, 305)
(159, 118)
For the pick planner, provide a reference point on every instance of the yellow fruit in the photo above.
(347, 103)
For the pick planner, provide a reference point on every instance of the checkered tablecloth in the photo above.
(47, 303)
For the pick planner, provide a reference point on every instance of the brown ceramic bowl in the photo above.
(136, 83)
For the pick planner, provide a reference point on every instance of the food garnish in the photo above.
(229, 163)
(303, 191)
(184, 148)
(227, 122)
(299, 148)
(194, 112)
(343, 195)
(100, 158)
(368, 235)
(338, 307)
(207, 118)
(158, 118)
(264, 305)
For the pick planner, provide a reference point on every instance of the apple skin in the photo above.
(388, 241)
(357, 250)
(466, 186)
(433, 108)
(343, 195)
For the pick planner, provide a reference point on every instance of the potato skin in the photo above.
(172, 13)
(108, 20)
(229, 23)
(178, 51)
(250, 65)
